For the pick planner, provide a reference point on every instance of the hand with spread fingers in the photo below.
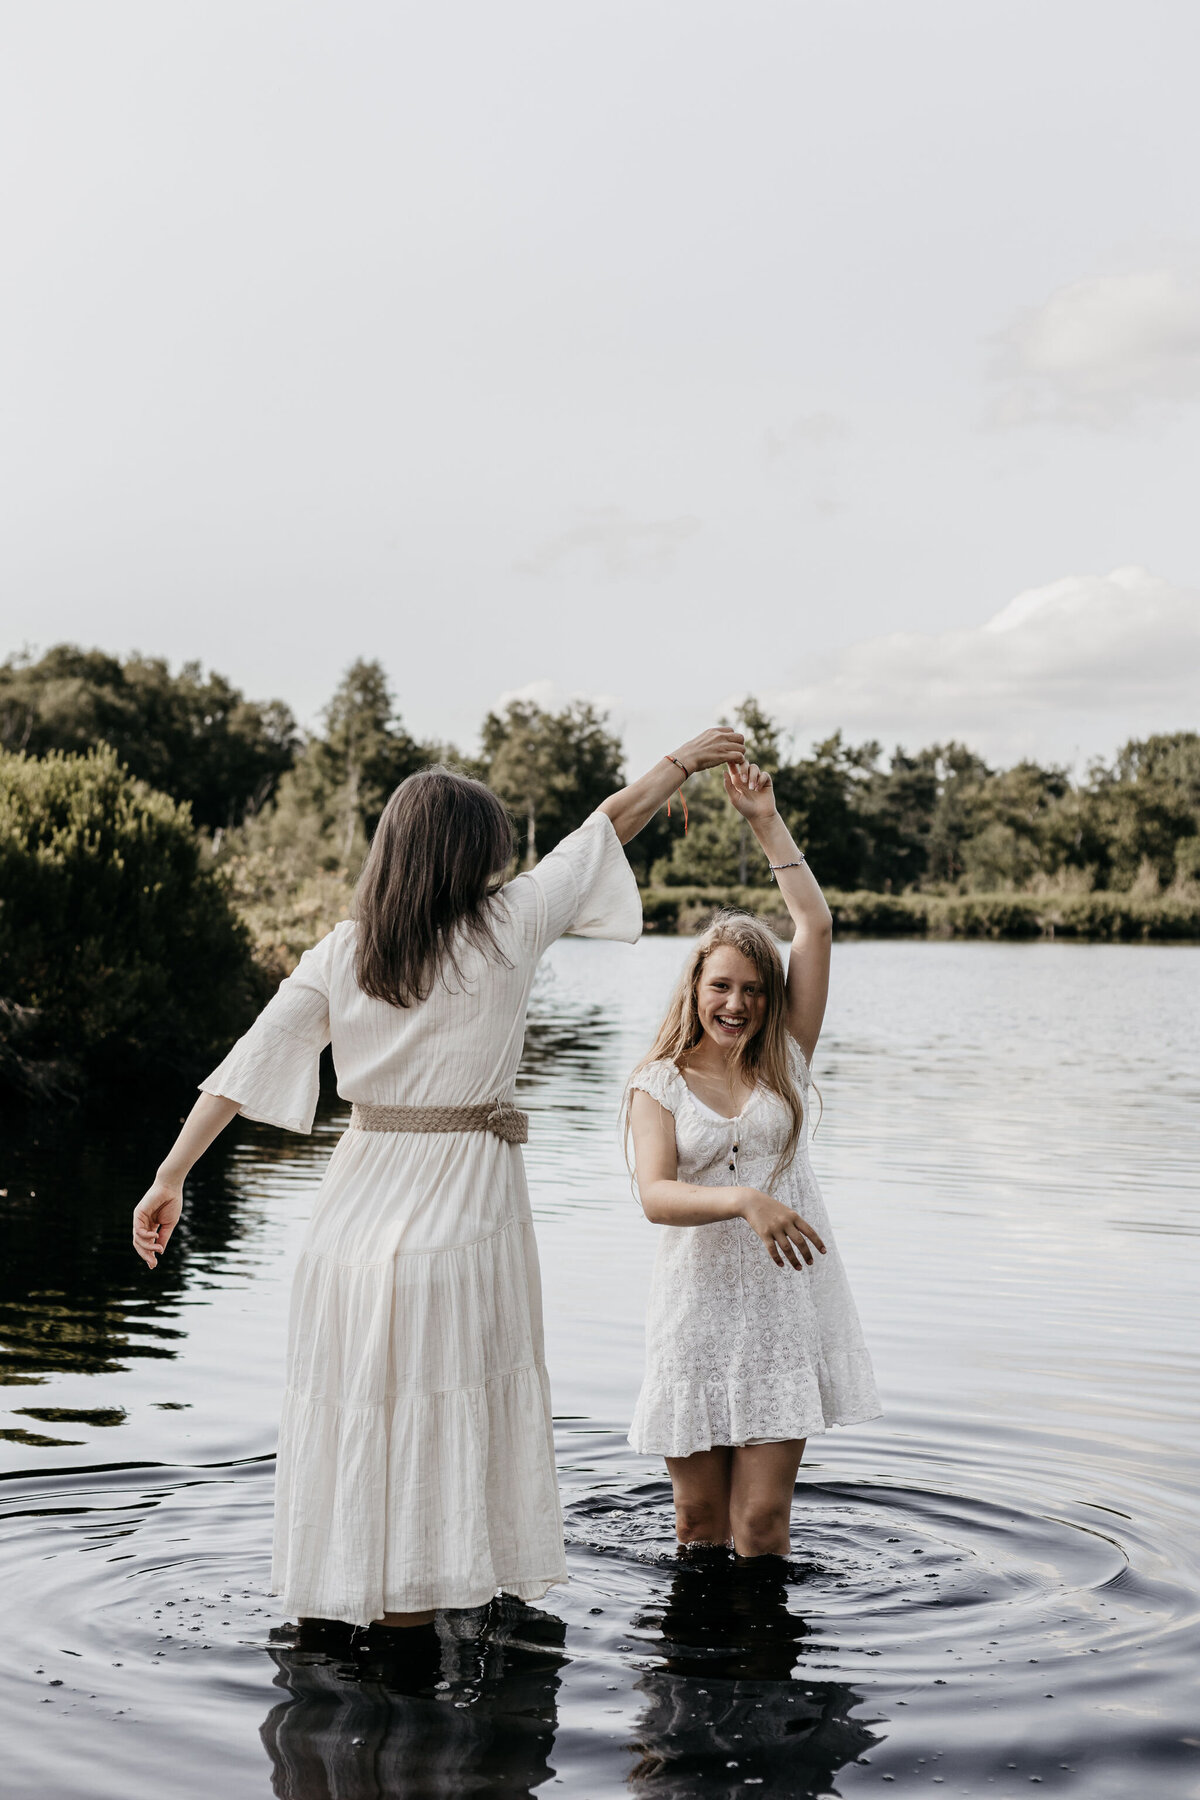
(781, 1230)
(750, 790)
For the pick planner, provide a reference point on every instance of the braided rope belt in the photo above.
(497, 1116)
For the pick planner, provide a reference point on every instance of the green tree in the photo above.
(328, 805)
(118, 950)
(1020, 828)
(821, 798)
(896, 808)
(1140, 813)
(551, 769)
(366, 752)
(191, 735)
(959, 810)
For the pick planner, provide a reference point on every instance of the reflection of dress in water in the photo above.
(416, 1461)
(739, 1350)
(360, 1734)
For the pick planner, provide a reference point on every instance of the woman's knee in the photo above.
(761, 1527)
(700, 1522)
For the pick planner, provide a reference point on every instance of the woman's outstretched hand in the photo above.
(750, 790)
(781, 1230)
(719, 744)
(154, 1219)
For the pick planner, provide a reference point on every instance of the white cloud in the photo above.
(1102, 350)
(1068, 669)
(616, 545)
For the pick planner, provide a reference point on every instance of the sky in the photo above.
(841, 352)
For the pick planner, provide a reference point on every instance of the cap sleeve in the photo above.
(586, 886)
(661, 1080)
(273, 1071)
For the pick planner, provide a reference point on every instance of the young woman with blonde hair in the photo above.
(752, 1339)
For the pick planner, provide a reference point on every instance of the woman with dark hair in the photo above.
(415, 1466)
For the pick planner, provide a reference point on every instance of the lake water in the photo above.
(995, 1586)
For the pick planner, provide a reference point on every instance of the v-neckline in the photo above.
(710, 1113)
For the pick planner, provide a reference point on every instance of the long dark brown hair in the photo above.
(440, 851)
(761, 1058)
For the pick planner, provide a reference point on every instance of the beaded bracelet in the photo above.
(788, 865)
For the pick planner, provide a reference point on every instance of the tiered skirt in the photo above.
(416, 1465)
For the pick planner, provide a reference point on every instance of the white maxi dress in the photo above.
(416, 1464)
(738, 1350)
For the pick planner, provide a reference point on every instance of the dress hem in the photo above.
(313, 1606)
(642, 1447)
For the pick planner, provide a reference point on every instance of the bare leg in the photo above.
(760, 1496)
(701, 1484)
(421, 1618)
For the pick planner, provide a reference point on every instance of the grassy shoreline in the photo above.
(1089, 917)
(285, 917)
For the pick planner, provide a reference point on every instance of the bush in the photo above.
(1174, 915)
(982, 915)
(119, 953)
(284, 912)
(876, 915)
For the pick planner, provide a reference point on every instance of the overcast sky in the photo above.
(846, 352)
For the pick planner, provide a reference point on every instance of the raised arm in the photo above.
(751, 791)
(634, 806)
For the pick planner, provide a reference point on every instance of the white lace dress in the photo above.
(739, 1350)
(416, 1463)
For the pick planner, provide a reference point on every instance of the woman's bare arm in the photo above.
(157, 1213)
(634, 806)
(751, 791)
(665, 1199)
(668, 1201)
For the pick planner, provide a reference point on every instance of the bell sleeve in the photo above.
(586, 886)
(273, 1071)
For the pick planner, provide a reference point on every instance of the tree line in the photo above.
(168, 847)
(938, 819)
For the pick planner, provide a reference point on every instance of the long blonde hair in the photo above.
(762, 1058)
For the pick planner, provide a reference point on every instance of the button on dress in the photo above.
(738, 1350)
(415, 1466)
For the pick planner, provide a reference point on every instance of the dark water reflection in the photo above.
(724, 1694)
(477, 1711)
(474, 1714)
(70, 1298)
(996, 1586)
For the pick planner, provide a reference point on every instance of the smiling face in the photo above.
(730, 1000)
